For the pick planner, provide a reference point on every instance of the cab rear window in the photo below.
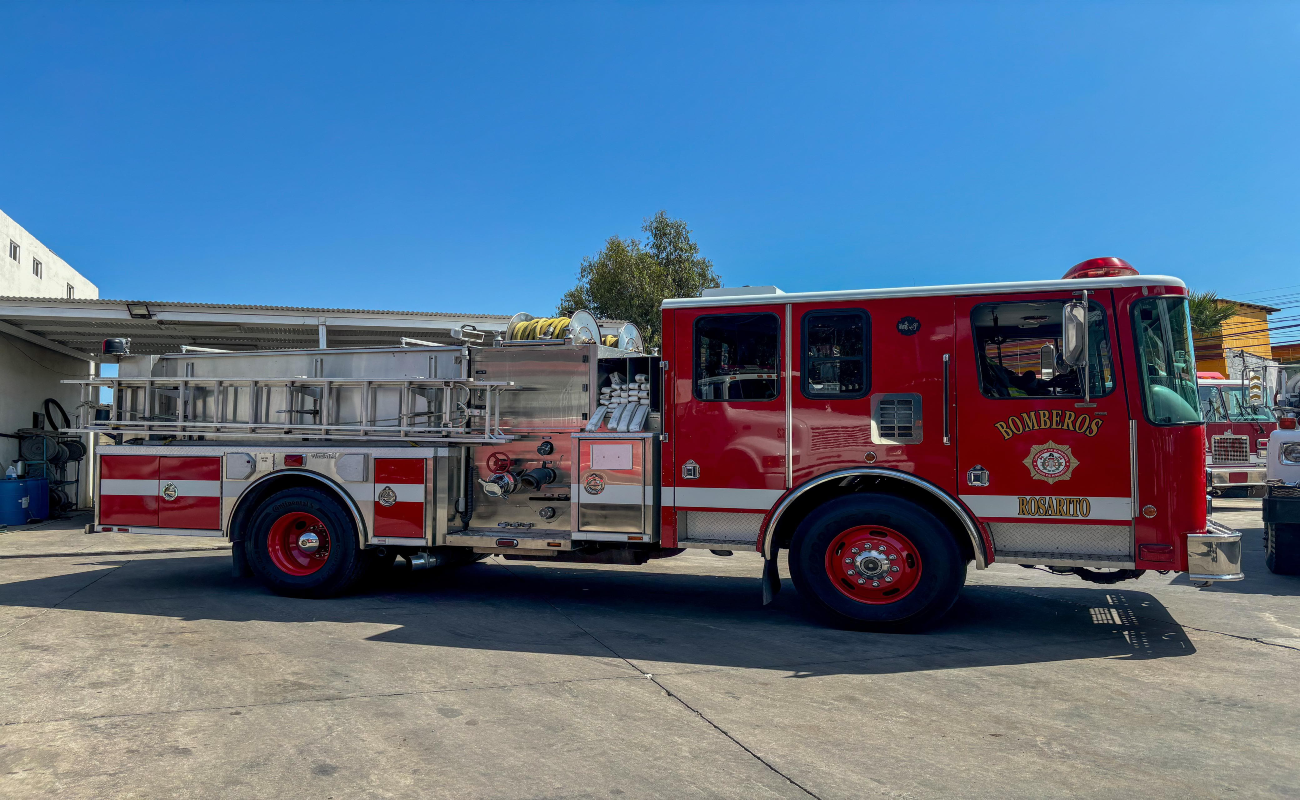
(737, 357)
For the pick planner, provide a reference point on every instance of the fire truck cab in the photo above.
(884, 439)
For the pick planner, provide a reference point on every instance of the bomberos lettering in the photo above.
(1056, 419)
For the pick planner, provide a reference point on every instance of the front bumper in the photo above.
(1235, 477)
(1214, 555)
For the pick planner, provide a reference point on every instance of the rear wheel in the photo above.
(877, 562)
(1282, 548)
(303, 543)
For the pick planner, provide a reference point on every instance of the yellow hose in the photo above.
(533, 329)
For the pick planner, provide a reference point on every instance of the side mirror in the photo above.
(1047, 362)
(1074, 331)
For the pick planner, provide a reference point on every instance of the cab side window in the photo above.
(1018, 346)
(737, 357)
(835, 357)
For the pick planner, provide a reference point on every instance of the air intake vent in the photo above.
(896, 418)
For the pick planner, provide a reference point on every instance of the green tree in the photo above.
(1208, 312)
(628, 279)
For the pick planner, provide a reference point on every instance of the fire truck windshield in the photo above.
(1166, 361)
(1231, 404)
(1019, 345)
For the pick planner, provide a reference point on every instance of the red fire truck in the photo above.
(1237, 427)
(885, 439)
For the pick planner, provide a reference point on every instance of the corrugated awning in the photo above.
(78, 327)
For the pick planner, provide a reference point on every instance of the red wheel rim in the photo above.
(873, 564)
(291, 547)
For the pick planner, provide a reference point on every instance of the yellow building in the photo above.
(1246, 330)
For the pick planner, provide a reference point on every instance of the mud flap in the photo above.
(771, 580)
(239, 561)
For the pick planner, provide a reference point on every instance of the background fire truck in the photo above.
(885, 439)
(1238, 422)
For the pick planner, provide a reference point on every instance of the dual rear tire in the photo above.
(303, 543)
(876, 562)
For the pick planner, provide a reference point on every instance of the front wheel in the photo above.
(877, 562)
(303, 543)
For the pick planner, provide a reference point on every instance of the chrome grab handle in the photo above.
(947, 439)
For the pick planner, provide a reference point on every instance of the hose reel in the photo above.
(581, 327)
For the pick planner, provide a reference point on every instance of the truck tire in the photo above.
(291, 563)
(877, 562)
(1282, 548)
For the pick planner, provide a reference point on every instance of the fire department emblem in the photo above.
(1051, 462)
(594, 484)
(169, 492)
(387, 497)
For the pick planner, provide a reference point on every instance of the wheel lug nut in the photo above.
(861, 580)
(855, 549)
(893, 569)
(888, 579)
(875, 584)
(851, 572)
(848, 561)
(893, 557)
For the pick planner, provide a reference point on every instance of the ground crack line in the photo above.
(671, 694)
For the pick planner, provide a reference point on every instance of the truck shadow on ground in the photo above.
(653, 620)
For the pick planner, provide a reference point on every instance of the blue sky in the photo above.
(465, 157)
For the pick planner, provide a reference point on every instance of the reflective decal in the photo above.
(1050, 462)
(1093, 509)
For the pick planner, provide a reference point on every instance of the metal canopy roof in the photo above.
(78, 327)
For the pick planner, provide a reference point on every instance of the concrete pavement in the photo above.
(156, 674)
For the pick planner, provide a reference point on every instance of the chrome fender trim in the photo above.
(968, 522)
(316, 476)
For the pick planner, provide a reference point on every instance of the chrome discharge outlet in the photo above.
(425, 560)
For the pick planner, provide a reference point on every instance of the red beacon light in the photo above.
(1100, 268)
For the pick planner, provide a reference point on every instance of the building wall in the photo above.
(28, 374)
(1246, 330)
(18, 279)
(1287, 353)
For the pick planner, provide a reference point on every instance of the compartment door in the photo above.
(128, 490)
(399, 498)
(611, 489)
(189, 491)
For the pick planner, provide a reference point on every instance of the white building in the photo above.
(30, 269)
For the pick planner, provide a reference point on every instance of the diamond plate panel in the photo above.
(1040, 537)
(720, 526)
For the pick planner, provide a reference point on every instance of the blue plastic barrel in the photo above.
(38, 494)
(13, 508)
